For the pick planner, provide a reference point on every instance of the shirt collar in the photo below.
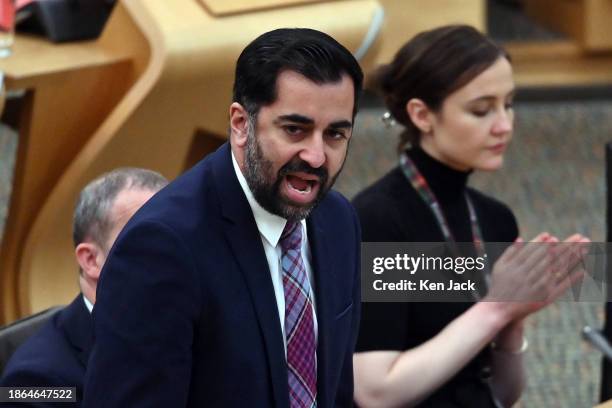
(88, 304)
(270, 225)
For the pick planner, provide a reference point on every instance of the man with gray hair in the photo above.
(57, 355)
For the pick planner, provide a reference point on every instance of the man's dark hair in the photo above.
(311, 53)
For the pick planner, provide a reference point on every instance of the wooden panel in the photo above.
(559, 63)
(598, 17)
(226, 7)
(215, 43)
(21, 72)
(564, 16)
(585, 21)
(405, 18)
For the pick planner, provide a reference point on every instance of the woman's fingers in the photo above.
(563, 285)
(512, 250)
(534, 274)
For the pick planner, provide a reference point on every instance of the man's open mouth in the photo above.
(302, 188)
(299, 184)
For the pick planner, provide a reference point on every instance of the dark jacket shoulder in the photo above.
(53, 355)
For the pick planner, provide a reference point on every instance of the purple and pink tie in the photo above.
(299, 321)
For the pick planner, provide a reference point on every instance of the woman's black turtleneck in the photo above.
(449, 187)
(391, 210)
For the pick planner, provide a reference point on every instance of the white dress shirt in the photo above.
(88, 304)
(270, 229)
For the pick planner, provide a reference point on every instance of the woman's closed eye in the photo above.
(480, 112)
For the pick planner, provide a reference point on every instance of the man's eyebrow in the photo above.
(305, 120)
(341, 124)
(296, 118)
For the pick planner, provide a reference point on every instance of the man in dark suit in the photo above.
(57, 355)
(238, 284)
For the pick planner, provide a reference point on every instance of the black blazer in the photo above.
(186, 313)
(56, 356)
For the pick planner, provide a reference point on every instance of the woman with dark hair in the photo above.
(452, 89)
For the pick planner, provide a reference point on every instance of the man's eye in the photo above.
(292, 130)
(336, 134)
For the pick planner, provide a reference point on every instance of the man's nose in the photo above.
(313, 151)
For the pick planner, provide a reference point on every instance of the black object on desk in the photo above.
(65, 20)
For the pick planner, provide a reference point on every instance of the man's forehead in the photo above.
(288, 79)
(301, 99)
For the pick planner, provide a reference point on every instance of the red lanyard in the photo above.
(419, 183)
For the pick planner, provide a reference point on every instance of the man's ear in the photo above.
(239, 124)
(91, 259)
(420, 114)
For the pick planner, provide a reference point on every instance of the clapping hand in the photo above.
(530, 275)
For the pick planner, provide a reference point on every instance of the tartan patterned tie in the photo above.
(299, 324)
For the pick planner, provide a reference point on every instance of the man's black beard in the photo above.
(258, 174)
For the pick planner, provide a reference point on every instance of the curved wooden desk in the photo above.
(70, 89)
(158, 77)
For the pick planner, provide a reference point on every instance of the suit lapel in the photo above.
(324, 284)
(245, 241)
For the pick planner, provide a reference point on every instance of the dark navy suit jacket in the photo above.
(186, 313)
(56, 356)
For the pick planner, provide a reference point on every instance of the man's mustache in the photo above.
(301, 166)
